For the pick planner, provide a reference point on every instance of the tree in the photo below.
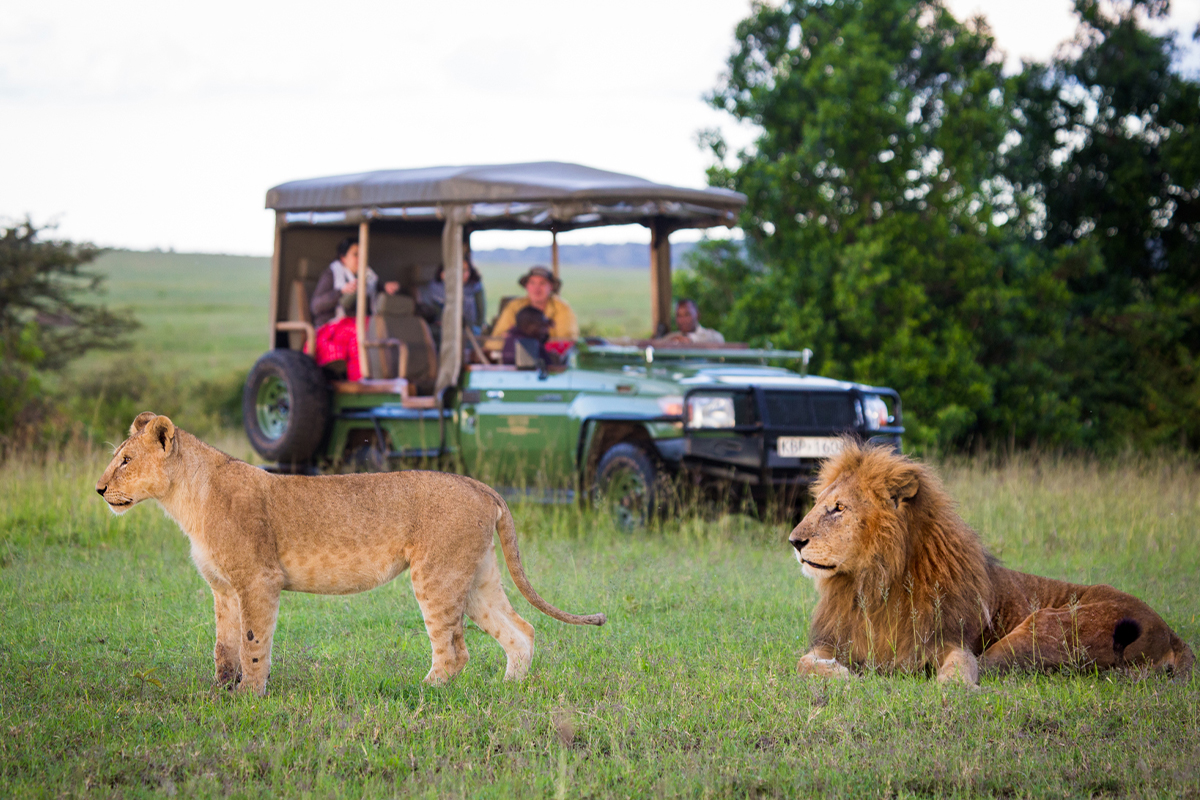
(881, 230)
(47, 313)
(1110, 146)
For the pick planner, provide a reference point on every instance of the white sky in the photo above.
(151, 124)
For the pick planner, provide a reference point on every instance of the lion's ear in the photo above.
(140, 421)
(904, 486)
(164, 430)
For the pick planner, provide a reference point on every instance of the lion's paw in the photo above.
(810, 664)
(960, 667)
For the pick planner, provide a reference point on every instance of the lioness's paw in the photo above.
(809, 664)
(228, 677)
(435, 679)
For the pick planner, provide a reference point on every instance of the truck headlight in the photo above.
(874, 412)
(711, 411)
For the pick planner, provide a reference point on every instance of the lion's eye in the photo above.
(125, 460)
(839, 506)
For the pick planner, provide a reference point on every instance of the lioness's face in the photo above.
(136, 472)
(825, 540)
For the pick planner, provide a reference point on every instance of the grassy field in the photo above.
(201, 314)
(207, 314)
(690, 690)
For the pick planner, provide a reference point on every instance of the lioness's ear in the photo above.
(140, 421)
(904, 485)
(164, 430)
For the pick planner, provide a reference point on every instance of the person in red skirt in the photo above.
(337, 336)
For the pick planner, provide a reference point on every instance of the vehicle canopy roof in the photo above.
(546, 195)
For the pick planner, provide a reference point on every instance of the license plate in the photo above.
(808, 446)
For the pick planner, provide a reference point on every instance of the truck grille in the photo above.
(825, 410)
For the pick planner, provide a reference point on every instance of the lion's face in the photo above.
(855, 524)
(827, 539)
(136, 472)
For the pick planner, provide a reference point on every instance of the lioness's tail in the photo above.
(507, 531)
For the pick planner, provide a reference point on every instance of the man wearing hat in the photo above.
(541, 292)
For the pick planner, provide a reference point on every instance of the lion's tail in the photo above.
(507, 531)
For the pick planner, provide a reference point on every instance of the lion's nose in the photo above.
(100, 490)
(798, 544)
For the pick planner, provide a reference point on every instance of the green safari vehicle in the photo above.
(620, 420)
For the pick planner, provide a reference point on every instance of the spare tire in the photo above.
(285, 406)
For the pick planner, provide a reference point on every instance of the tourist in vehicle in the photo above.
(431, 300)
(333, 304)
(541, 292)
(687, 319)
(530, 324)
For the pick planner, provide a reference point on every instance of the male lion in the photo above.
(255, 534)
(904, 584)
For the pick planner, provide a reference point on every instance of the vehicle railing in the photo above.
(310, 333)
(650, 352)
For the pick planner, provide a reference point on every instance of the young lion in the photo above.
(904, 584)
(255, 534)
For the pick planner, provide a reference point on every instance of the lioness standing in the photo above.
(255, 534)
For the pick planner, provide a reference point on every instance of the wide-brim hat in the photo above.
(543, 272)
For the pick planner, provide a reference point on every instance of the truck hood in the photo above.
(744, 376)
(666, 378)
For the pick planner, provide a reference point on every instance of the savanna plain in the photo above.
(689, 690)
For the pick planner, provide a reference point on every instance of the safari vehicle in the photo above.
(617, 420)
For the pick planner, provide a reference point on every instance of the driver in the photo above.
(687, 318)
(541, 292)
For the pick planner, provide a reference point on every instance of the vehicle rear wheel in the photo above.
(629, 485)
(285, 406)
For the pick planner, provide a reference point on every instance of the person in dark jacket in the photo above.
(431, 299)
(338, 285)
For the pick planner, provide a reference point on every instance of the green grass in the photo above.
(201, 314)
(690, 690)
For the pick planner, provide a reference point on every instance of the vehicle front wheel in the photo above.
(629, 485)
(285, 406)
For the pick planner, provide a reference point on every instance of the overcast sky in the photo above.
(158, 124)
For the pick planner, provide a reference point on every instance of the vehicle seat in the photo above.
(493, 345)
(528, 353)
(400, 344)
(504, 301)
(299, 309)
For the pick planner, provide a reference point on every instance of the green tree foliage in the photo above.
(1111, 148)
(899, 216)
(48, 314)
(872, 223)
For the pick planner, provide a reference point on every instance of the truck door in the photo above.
(514, 428)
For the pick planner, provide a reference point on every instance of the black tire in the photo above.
(629, 485)
(285, 406)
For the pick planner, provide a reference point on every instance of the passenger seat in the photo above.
(395, 323)
(299, 313)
